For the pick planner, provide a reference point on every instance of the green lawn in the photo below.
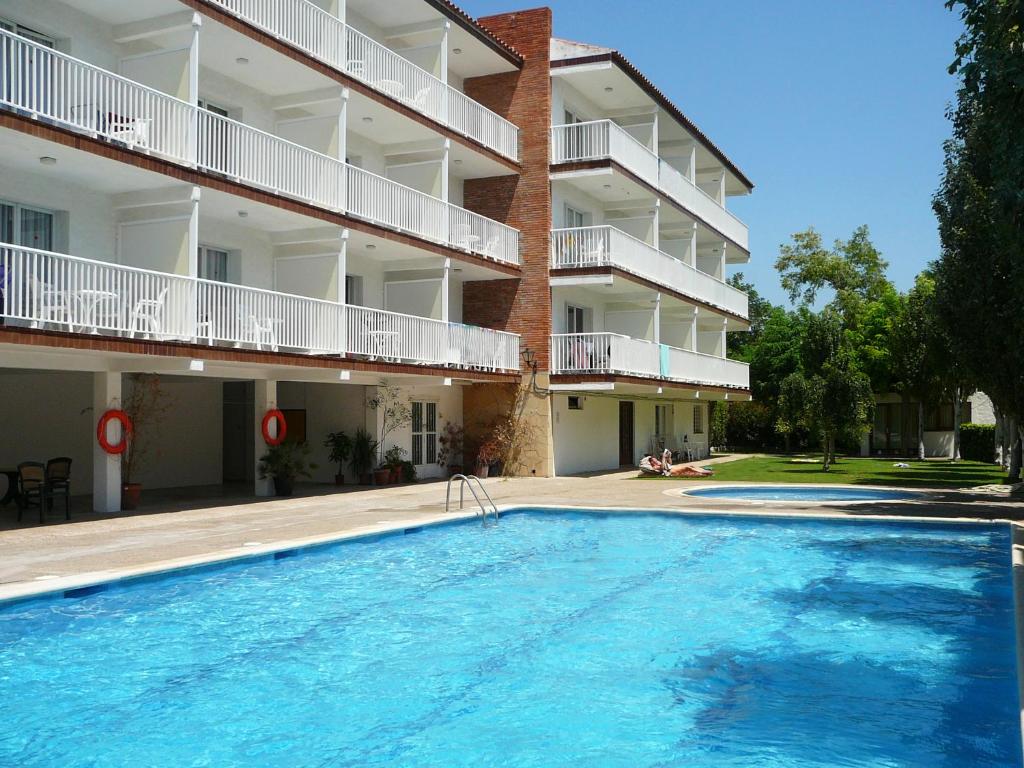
(854, 471)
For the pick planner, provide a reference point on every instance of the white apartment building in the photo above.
(282, 204)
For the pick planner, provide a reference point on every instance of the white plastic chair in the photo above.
(50, 304)
(419, 101)
(148, 313)
(264, 332)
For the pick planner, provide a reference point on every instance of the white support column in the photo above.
(654, 134)
(193, 87)
(446, 149)
(342, 273)
(721, 262)
(691, 342)
(343, 125)
(193, 264)
(444, 51)
(655, 225)
(445, 288)
(265, 398)
(721, 189)
(106, 468)
(693, 246)
(657, 318)
(722, 343)
(693, 163)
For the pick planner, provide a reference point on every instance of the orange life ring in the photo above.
(124, 420)
(282, 427)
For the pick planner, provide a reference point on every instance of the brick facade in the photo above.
(524, 201)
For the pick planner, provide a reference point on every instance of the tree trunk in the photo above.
(1000, 436)
(904, 425)
(827, 447)
(957, 413)
(786, 437)
(920, 430)
(1015, 457)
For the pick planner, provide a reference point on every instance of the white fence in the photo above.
(67, 293)
(47, 84)
(606, 246)
(613, 353)
(327, 38)
(605, 139)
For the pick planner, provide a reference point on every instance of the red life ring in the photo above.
(126, 429)
(282, 427)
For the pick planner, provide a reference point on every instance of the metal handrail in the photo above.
(464, 481)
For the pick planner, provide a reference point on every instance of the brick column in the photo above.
(524, 201)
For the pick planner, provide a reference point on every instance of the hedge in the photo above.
(978, 442)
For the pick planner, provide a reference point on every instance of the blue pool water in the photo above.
(550, 639)
(801, 493)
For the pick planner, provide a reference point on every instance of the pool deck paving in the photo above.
(180, 530)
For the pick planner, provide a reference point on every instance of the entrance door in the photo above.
(626, 438)
(239, 432)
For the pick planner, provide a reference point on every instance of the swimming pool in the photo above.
(549, 639)
(801, 493)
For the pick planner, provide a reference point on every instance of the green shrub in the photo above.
(978, 442)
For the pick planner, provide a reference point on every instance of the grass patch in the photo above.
(855, 471)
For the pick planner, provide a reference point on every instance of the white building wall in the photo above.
(586, 440)
(329, 408)
(449, 409)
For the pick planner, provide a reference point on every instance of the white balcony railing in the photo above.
(606, 246)
(327, 38)
(607, 140)
(68, 293)
(45, 84)
(613, 353)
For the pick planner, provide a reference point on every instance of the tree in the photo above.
(853, 269)
(797, 406)
(980, 208)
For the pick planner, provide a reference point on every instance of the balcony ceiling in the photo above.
(116, 12)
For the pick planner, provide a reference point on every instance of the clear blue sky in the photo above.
(835, 109)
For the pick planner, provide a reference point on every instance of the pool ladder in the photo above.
(465, 481)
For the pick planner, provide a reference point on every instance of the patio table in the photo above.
(384, 344)
(89, 299)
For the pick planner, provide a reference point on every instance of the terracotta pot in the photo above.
(454, 469)
(482, 470)
(130, 493)
(382, 476)
(283, 486)
(396, 474)
(339, 479)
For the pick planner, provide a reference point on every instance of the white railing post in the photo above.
(193, 89)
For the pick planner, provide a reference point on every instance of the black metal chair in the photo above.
(32, 488)
(58, 482)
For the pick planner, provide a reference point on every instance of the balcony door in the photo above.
(25, 226)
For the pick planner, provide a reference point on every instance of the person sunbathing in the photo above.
(686, 470)
(651, 466)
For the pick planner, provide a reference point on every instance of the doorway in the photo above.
(626, 435)
(239, 432)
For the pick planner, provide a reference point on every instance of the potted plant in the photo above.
(408, 472)
(393, 412)
(452, 441)
(146, 404)
(393, 461)
(489, 451)
(284, 464)
(364, 449)
(340, 445)
(382, 475)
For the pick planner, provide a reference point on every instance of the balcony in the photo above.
(606, 140)
(615, 354)
(606, 246)
(52, 86)
(76, 295)
(328, 39)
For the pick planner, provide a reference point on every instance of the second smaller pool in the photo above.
(801, 493)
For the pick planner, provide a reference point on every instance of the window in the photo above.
(575, 403)
(217, 110)
(698, 419)
(28, 227)
(573, 218)
(354, 290)
(424, 433)
(663, 420)
(213, 264)
(574, 321)
(939, 418)
(31, 34)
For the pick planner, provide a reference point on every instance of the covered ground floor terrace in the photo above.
(198, 432)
